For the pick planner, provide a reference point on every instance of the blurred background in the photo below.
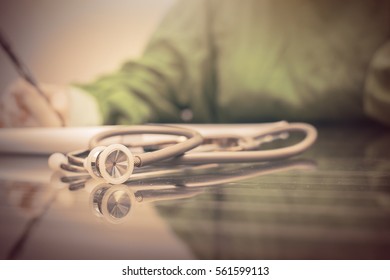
(75, 41)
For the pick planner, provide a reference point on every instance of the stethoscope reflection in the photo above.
(117, 203)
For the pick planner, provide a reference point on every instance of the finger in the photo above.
(39, 109)
(30, 104)
(23, 105)
(11, 112)
(59, 99)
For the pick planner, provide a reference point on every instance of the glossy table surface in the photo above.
(333, 202)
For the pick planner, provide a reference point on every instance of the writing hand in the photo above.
(21, 105)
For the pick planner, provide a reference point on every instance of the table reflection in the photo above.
(114, 203)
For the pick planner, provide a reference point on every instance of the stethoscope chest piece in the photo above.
(114, 163)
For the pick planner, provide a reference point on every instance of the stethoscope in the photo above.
(115, 163)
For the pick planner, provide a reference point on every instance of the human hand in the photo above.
(21, 105)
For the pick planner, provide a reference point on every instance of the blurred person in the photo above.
(229, 61)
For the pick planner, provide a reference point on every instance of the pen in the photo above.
(22, 69)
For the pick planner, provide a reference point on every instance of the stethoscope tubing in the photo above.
(253, 155)
(182, 153)
(194, 139)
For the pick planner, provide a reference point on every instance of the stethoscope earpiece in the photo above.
(56, 160)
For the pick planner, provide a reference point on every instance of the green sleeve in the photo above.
(173, 74)
(377, 88)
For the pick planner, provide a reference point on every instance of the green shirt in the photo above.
(255, 61)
